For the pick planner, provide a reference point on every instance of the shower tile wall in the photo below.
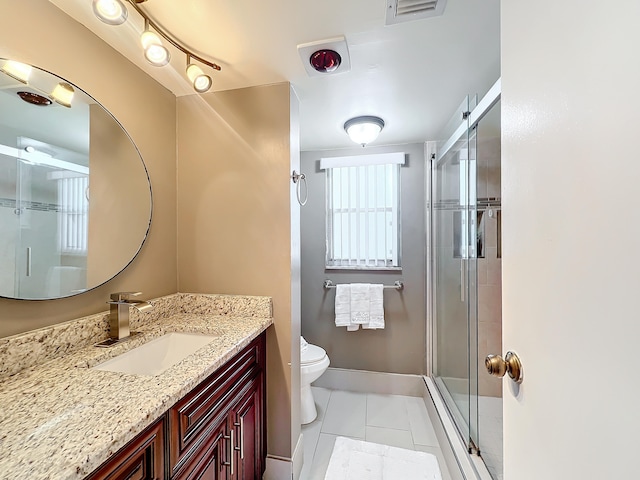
(489, 268)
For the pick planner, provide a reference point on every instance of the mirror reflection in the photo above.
(75, 197)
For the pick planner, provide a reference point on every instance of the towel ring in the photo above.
(297, 179)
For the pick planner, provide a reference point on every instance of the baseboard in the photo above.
(278, 468)
(371, 382)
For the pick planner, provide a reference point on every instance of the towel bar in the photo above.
(397, 285)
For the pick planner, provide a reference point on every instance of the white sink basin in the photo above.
(156, 356)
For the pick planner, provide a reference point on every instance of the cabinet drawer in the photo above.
(207, 405)
(140, 459)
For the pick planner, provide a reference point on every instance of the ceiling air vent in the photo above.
(399, 11)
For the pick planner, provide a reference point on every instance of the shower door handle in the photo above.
(28, 261)
(463, 283)
(498, 366)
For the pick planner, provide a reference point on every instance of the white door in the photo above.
(571, 233)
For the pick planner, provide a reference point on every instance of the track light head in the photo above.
(111, 12)
(155, 53)
(201, 82)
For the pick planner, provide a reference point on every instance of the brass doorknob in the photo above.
(498, 366)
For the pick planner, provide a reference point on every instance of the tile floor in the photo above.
(395, 420)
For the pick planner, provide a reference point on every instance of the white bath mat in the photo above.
(359, 460)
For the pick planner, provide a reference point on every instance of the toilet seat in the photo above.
(312, 354)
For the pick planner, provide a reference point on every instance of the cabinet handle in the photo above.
(231, 455)
(241, 448)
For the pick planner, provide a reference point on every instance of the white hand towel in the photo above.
(343, 305)
(376, 307)
(360, 303)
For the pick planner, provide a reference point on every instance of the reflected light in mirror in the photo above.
(17, 70)
(112, 12)
(63, 94)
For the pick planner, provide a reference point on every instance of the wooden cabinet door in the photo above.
(210, 462)
(210, 402)
(245, 419)
(140, 459)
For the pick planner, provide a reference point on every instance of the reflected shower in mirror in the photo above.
(75, 197)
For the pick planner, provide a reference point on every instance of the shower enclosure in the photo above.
(465, 275)
(44, 208)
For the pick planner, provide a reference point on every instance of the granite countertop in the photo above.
(62, 420)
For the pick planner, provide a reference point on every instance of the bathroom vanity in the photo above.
(216, 431)
(203, 417)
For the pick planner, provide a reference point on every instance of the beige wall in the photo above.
(125, 197)
(235, 217)
(53, 41)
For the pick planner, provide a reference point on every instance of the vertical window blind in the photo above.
(362, 211)
(73, 217)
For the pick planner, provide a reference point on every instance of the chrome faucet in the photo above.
(119, 313)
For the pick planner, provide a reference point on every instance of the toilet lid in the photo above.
(312, 354)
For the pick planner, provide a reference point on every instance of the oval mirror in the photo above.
(75, 196)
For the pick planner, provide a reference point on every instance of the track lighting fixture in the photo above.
(114, 12)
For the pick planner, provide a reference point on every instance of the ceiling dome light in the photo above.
(325, 61)
(155, 53)
(17, 70)
(201, 82)
(111, 12)
(63, 94)
(363, 130)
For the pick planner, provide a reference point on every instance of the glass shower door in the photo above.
(454, 267)
(36, 216)
(9, 234)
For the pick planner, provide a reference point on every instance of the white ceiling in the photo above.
(413, 74)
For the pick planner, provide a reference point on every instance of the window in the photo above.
(362, 206)
(74, 214)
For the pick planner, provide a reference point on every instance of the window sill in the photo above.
(361, 268)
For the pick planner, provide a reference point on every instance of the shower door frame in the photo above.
(431, 155)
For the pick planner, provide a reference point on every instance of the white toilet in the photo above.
(313, 363)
